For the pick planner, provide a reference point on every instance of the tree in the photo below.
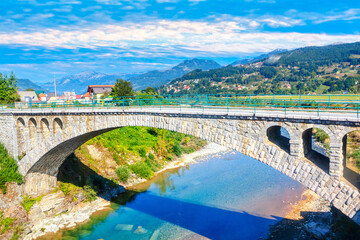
(8, 89)
(122, 88)
(268, 72)
(29, 89)
(150, 91)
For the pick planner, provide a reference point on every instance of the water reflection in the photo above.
(215, 199)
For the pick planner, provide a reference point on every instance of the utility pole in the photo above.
(55, 87)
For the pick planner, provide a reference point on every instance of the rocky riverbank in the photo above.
(56, 211)
(314, 218)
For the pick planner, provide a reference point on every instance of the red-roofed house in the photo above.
(98, 91)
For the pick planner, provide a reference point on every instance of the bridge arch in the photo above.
(350, 146)
(21, 136)
(44, 128)
(279, 136)
(57, 125)
(230, 133)
(33, 138)
(316, 153)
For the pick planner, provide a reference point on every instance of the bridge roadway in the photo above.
(221, 111)
(41, 140)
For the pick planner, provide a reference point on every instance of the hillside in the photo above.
(310, 70)
(24, 84)
(157, 78)
(257, 58)
(324, 55)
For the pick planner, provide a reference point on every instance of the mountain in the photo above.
(258, 58)
(79, 82)
(24, 84)
(157, 78)
(335, 53)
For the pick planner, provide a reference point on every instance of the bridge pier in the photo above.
(336, 168)
(37, 184)
(296, 149)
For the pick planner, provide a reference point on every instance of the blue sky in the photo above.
(41, 38)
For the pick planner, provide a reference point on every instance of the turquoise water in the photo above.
(226, 196)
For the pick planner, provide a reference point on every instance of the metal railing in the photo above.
(230, 102)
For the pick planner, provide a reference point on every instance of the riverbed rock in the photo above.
(124, 227)
(321, 227)
(140, 230)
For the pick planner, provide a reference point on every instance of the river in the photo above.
(223, 196)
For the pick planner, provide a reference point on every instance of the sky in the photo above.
(40, 39)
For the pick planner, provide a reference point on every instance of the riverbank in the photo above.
(80, 213)
(314, 218)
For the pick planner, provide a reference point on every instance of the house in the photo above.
(98, 91)
(42, 97)
(28, 96)
(86, 97)
(69, 96)
(50, 96)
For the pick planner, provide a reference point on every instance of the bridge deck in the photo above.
(258, 113)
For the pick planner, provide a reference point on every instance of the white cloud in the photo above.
(225, 35)
(350, 14)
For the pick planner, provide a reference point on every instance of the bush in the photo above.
(5, 223)
(65, 188)
(8, 169)
(89, 193)
(151, 156)
(141, 169)
(177, 149)
(28, 202)
(123, 173)
(142, 152)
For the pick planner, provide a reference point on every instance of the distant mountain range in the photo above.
(24, 84)
(79, 82)
(157, 78)
(335, 53)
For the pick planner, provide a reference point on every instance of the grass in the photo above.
(8, 169)
(5, 223)
(28, 202)
(139, 150)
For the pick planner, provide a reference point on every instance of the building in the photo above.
(86, 97)
(50, 97)
(28, 96)
(42, 97)
(97, 92)
(69, 96)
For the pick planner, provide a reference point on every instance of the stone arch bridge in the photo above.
(41, 141)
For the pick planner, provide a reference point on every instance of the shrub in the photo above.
(65, 188)
(8, 169)
(28, 202)
(142, 152)
(5, 223)
(123, 173)
(89, 193)
(151, 156)
(177, 149)
(141, 169)
(188, 150)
